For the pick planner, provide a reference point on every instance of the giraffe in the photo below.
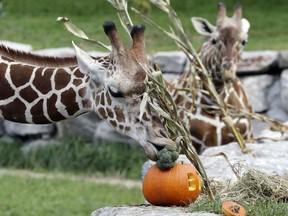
(40, 90)
(220, 55)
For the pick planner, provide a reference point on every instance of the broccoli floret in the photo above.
(167, 157)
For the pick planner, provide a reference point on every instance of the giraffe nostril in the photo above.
(163, 133)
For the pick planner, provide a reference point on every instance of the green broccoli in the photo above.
(167, 157)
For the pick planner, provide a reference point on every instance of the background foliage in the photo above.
(34, 22)
(74, 155)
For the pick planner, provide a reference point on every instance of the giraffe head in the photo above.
(225, 41)
(119, 86)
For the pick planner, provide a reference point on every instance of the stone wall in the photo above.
(263, 73)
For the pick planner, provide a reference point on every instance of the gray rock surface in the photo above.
(106, 132)
(147, 210)
(283, 59)
(276, 109)
(269, 157)
(26, 130)
(84, 125)
(171, 62)
(257, 61)
(284, 89)
(257, 88)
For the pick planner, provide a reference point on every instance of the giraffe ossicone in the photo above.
(41, 90)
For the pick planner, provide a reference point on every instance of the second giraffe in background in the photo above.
(220, 55)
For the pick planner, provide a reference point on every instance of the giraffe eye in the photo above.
(244, 42)
(115, 93)
(213, 41)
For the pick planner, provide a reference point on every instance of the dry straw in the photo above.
(253, 186)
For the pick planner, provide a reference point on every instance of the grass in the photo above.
(27, 195)
(35, 23)
(23, 195)
(269, 207)
(74, 155)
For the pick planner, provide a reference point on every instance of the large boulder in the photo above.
(171, 62)
(283, 59)
(106, 132)
(257, 88)
(268, 157)
(84, 125)
(276, 109)
(28, 131)
(257, 62)
(284, 89)
(145, 210)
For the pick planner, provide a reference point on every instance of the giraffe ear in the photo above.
(245, 25)
(89, 66)
(202, 26)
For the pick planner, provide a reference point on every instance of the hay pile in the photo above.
(252, 187)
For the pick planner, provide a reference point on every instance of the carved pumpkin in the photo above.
(179, 185)
(233, 209)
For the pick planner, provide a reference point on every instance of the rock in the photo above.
(170, 77)
(284, 89)
(283, 59)
(276, 110)
(171, 62)
(268, 157)
(258, 127)
(17, 46)
(84, 125)
(91, 128)
(29, 130)
(106, 132)
(257, 88)
(145, 210)
(257, 61)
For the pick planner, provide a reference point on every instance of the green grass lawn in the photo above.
(24, 195)
(34, 22)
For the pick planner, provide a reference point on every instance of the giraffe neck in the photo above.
(36, 60)
(40, 95)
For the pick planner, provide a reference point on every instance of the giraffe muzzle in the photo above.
(153, 147)
(229, 71)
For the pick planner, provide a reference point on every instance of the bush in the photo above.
(74, 155)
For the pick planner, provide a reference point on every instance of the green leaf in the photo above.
(143, 105)
(80, 33)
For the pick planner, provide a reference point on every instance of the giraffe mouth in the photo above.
(158, 138)
(153, 147)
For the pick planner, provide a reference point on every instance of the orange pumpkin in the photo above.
(233, 209)
(179, 185)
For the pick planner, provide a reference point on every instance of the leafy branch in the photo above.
(160, 99)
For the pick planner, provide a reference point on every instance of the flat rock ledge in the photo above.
(147, 210)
